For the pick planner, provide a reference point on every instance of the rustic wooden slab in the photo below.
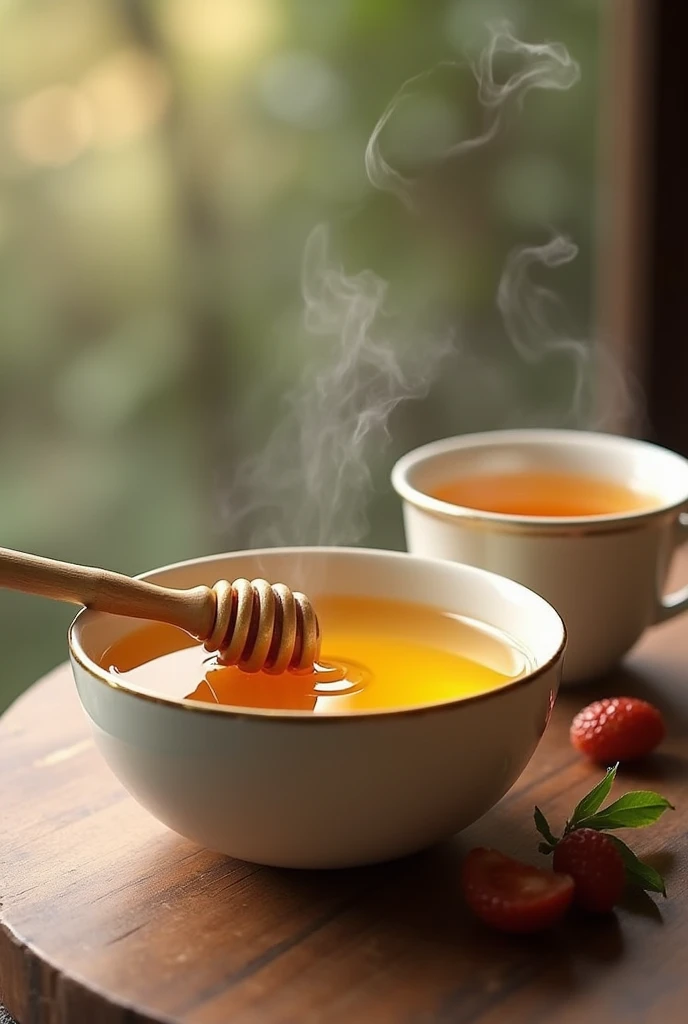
(108, 918)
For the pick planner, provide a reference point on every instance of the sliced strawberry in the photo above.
(512, 896)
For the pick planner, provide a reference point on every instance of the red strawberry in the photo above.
(595, 864)
(617, 729)
(512, 896)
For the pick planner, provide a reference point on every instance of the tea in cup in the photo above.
(587, 520)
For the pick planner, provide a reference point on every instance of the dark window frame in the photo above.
(643, 253)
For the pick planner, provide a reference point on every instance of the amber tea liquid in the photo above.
(376, 654)
(557, 495)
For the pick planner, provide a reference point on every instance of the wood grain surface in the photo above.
(108, 918)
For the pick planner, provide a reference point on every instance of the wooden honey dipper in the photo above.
(253, 624)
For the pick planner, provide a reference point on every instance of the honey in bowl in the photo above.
(376, 655)
(556, 495)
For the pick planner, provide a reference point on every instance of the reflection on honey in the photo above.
(377, 654)
(328, 685)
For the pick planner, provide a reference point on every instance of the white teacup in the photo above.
(604, 574)
(294, 789)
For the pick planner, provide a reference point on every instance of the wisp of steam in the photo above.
(544, 66)
(524, 306)
(310, 484)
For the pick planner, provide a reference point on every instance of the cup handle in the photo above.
(677, 602)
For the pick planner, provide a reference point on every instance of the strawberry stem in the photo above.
(636, 809)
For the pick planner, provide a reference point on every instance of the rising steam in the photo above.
(310, 483)
(544, 66)
(526, 306)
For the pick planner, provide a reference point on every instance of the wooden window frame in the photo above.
(643, 217)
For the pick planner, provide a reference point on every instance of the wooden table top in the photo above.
(109, 918)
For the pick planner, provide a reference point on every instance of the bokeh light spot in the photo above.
(301, 89)
(52, 127)
(128, 94)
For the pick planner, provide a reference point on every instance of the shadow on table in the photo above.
(414, 911)
(649, 680)
(665, 691)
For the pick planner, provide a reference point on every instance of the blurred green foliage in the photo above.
(161, 165)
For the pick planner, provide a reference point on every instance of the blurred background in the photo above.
(162, 163)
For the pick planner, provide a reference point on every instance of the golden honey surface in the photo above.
(376, 655)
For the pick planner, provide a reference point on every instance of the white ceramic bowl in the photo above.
(295, 790)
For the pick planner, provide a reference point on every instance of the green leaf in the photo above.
(637, 872)
(545, 848)
(633, 810)
(543, 828)
(595, 798)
